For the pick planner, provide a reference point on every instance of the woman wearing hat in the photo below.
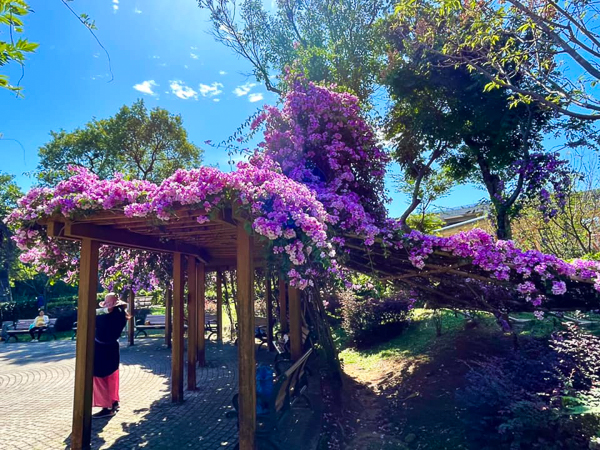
(110, 321)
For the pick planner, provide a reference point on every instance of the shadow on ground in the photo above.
(199, 422)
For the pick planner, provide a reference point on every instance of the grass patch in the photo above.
(417, 341)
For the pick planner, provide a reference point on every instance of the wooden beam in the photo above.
(177, 351)
(123, 238)
(283, 321)
(270, 318)
(194, 327)
(246, 350)
(131, 321)
(295, 324)
(168, 316)
(201, 281)
(219, 307)
(84, 350)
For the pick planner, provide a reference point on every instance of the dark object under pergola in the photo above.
(222, 243)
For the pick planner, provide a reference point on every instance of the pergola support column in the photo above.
(270, 319)
(295, 324)
(168, 317)
(194, 327)
(219, 307)
(84, 353)
(131, 320)
(177, 350)
(283, 321)
(246, 351)
(201, 312)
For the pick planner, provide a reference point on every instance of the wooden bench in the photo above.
(151, 322)
(289, 387)
(210, 325)
(260, 330)
(20, 327)
(283, 348)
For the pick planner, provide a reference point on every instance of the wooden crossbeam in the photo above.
(122, 238)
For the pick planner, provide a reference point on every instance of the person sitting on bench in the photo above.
(39, 324)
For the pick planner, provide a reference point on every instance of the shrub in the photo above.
(370, 320)
(542, 396)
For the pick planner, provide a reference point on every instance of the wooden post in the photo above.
(194, 327)
(270, 318)
(295, 324)
(131, 321)
(201, 282)
(219, 307)
(246, 350)
(283, 321)
(168, 317)
(84, 353)
(177, 351)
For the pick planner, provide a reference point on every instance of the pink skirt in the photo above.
(106, 390)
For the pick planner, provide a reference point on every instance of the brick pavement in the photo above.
(36, 396)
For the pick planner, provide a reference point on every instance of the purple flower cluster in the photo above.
(320, 139)
(283, 211)
(503, 261)
(544, 173)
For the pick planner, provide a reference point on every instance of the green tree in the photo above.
(424, 192)
(444, 115)
(331, 41)
(13, 48)
(9, 194)
(553, 44)
(141, 143)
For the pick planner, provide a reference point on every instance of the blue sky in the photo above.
(160, 51)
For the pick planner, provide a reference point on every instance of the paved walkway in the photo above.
(36, 397)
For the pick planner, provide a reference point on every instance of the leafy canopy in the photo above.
(331, 41)
(143, 144)
(15, 48)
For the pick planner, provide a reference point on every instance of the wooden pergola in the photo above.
(220, 244)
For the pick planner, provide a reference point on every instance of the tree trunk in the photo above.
(503, 230)
(318, 317)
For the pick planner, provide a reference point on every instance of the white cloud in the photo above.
(243, 89)
(193, 56)
(185, 66)
(255, 97)
(182, 91)
(212, 90)
(155, 57)
(193, 48)
(222, 72)
(145, 87)
(216, 99)
(137, 11)
(115, 5)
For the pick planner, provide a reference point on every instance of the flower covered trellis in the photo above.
(314, 192)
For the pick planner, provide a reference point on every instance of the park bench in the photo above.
(151, 322)
(20, 327)
(211, 325)
(260, 330)
(282, 346)
(289, 388)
